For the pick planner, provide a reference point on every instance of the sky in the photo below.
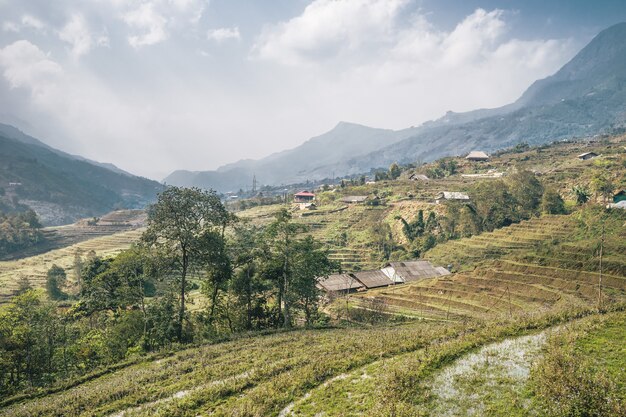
(158, 85)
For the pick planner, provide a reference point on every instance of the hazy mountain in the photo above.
(587, 96)
(60, 187)
(315, 159)
(12, 132)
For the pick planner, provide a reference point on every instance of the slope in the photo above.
(340, 148)
(62, 189)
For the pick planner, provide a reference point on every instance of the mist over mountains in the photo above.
(60, 187)
(587, 96)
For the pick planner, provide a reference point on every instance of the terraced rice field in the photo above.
(500, 275)
(35, 267)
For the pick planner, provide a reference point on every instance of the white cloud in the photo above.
(25, 65)
(10, 27)
(149, 22)
(32, 22)
(223, 34)
(76, 33)
(152, 21)
(329, 28)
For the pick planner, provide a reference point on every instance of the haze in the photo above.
(158, 85)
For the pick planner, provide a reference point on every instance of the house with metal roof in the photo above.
(477, 156)
(354, 199)
(451, 196)
(587, 155)
(373, 279)
(340, 283)
(408, 271)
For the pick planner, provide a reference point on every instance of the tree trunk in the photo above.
(183, 283)
(286, 312)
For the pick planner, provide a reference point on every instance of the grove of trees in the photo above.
(198, 274)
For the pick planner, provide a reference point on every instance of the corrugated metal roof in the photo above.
(477, 155)
(340, 282)
(415, 270)
(373, 279)
(354, 198)
(452, 195)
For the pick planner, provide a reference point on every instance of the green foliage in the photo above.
(19, 231)
(552, 202)
(55, 280)
(394, 171)
(581, 194)
(603, 185)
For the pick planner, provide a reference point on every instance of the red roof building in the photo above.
(303, 197)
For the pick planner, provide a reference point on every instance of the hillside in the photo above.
(398, 350)
(62, 188)
(584, 98)
(316, 158)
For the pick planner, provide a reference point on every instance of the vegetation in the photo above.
(19, 231)
(117, 345)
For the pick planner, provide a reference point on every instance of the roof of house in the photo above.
(582, 155)
(477, 155)
(420, 177)
(620, 205)
(304, 194)
(340, 282)
(413, 270)
(354, 198)
(452, 195)
(620, 192)
(373, 279)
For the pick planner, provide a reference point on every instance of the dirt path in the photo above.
(491, 381)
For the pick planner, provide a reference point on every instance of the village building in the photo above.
(587, 155)
(354, 199)
(619, 196)
(304, 197)
(477, 156)
(408, 271)
(418, 177)
(340, 283)
(373, 279)
(451, 196)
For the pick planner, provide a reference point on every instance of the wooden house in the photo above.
(477, 156)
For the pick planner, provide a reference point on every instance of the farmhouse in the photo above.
(477, 156)
(303, 197)
(354, 199)
(451, 196)
(409, 271)
(587, 155)
(340, 282)
(619, 196)
(418, 177)
(373, 279)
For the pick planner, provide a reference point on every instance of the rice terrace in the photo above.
(470, 265)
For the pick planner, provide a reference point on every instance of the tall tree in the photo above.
(180, 221)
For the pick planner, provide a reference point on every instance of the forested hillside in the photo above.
(63, 189)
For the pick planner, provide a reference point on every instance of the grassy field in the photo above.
(34, 268)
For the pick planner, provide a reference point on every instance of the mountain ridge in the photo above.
(585, 97)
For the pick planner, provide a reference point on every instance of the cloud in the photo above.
(153, 20)
(329, 28)
(24, 65)
(32, 22)
(76, 33)
(10, 27)
(149, 22)
(223, 34)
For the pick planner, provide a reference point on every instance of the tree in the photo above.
(581, 194)
(280, 236)
(394, 171)
(55, 280)
(603, 185)
(527, 190)
(180, 222)
(552, 202)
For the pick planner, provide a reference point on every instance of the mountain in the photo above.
(587, 96)
(60, 187)
(12, 132)
(315, 159)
